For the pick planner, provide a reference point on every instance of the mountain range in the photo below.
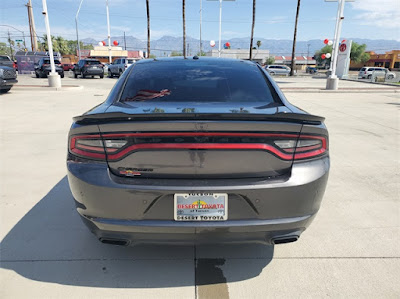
(164, 45)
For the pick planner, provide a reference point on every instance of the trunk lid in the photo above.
(174, 140)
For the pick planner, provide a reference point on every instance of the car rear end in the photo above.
(197, 151)
(93, 68)
(46, 68)
(8, 77)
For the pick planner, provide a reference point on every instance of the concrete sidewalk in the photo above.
(351, 250)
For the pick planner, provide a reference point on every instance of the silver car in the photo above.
(282, 70)
(118, 67)
(367, 72)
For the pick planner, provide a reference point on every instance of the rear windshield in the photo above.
(92, 62)
(131, 61)
(363, 69)
(197, 81)
(48, 61)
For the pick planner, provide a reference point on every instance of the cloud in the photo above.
(382, 13)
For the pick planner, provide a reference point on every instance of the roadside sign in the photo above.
(19, 40)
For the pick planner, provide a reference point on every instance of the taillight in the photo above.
(365, 72)
(285, 146)
(14, 65)
(46, 64)
(126, 65)
(305, 147)
(93, 147)
(86, 65)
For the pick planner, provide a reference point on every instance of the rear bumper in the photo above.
(6, 83)
(140, 210)
(93, 72)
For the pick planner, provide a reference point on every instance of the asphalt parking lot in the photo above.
(352, 249)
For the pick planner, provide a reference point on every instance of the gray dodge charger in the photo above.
(197, 150)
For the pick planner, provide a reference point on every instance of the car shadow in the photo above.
(51, 244)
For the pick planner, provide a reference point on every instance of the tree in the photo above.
(176, 53)
(252, 29)
(4, 49)
(148, 27)
(270, 60)
(258, 44)
(152, 56)
(184, 28)
(294, 38)
(357, 53)
(201, 54)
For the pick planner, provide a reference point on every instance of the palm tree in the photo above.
(184, 28)
(294, 38)
(148, 28)
(258, 44)
(252, 29)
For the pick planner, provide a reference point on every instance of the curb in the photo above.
(47, 88)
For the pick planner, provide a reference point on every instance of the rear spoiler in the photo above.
(102, 118)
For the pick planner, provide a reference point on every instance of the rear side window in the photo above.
(131, 61)
(4, 58)
(197, 81)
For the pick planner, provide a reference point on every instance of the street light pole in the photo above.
(109, 34)
(76, 26)
(220, 25)
(54, 78)
(332, 81)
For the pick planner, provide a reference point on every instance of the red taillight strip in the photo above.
(233, 146)
(309, 154)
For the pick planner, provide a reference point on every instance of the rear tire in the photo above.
(120, 73)
(369, 77)
(37, 75)
(62, 75)
(101, 76)
(110, 74)
(83, 76)
(75, 75)
(4, 90)
(390, 77)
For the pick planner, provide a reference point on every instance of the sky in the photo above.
(370, 19)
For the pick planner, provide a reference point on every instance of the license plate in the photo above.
(201, 206)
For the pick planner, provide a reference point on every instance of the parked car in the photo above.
(119, 66)
(278, 70)
(197, 150)
(8, 77)
(311, 70)
(367, 72)
(67, 66)
(6, 61)
(43, 67)
(89, 67)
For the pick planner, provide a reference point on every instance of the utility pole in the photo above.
(109, 34)
(124, 40)
(201, 12)
(9, 41)
(32, 28)
(293, 63)
(308, 52)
